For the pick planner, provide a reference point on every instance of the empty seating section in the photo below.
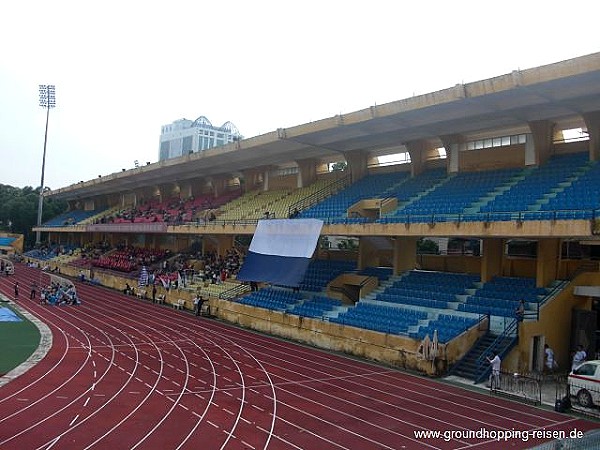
(459, 193)
(334, 208)
(385, 319)
(448, 326)
(565, 187)
(238, 208)
(579, 197)
(214, 290)
(411, 190)
(446, 281)
(71, 218)
(321, 272)
(316, 307)
(528, 193)
(501, 296)
(270, 298)
(253, 205)
(415, 186)
(415, 305)
(427, 289)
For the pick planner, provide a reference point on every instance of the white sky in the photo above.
(124, 68)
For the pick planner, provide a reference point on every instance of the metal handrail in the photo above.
(341, 289)
(233, 292)
(430, 218)
(496, 348)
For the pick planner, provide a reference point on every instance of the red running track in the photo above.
(126, 374)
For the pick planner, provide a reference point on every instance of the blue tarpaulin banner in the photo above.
(280, 251)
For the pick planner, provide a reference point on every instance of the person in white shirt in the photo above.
(550, 363)
(579, 357)
(495, 375)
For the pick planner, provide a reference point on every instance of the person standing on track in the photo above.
(495, 375)
(197, 305)
(33, 291)
(16, 290)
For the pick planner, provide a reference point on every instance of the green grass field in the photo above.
(18, 340)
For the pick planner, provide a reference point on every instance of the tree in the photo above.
(348, 244)
(18, 211)
(427, 246)
(339, 166)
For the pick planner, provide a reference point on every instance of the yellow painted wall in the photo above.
(491, 159)
(283, 182)
(554, 325)
(450, 263)
(519, 267)
(394, 350)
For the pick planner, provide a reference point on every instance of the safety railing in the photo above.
(500, 346)
(234, 292)
(320, 195)
(523, 386)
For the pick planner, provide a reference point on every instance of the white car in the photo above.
(584, 383)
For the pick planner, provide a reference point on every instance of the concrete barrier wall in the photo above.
(393, 350)
(389, 349)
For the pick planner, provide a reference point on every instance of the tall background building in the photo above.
(190, 136)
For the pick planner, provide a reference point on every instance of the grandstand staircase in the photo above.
(500, 190)
(474, 365)
(389, 191)
(561, 187)
(425, 192)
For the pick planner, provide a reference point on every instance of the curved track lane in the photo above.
(123, 373)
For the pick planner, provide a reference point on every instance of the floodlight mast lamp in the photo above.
(47, 100)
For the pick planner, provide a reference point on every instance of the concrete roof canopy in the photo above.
(560, 92)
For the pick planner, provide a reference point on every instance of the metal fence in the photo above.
(529, 387)
(524, 386)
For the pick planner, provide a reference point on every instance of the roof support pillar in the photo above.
(307, 172)
(357, 164)
(452, 145)
(219, 186)
(548, 255)
(491, 260)
(542, 132)
(185, 189)
(253, 178)
(405, 254)
(592, 122)
(419, 152)
(217, 243)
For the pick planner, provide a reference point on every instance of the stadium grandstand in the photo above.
(509, 165)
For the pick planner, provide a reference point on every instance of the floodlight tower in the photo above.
(47, 100)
